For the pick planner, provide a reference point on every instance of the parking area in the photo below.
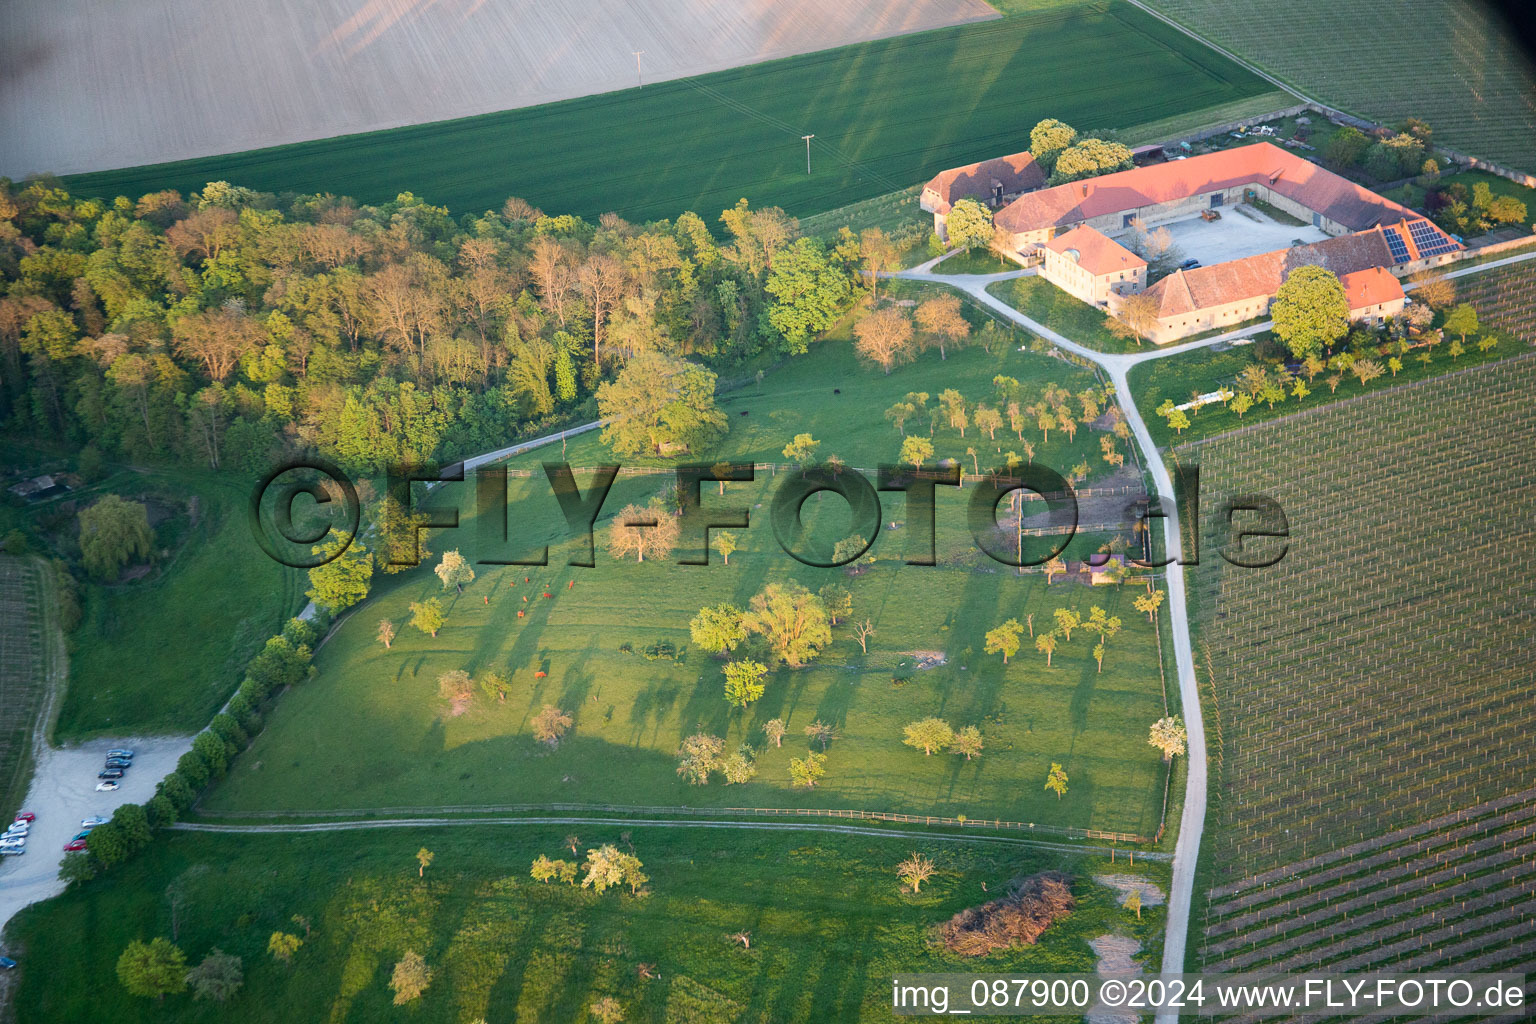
(63, 791)
(1241, 231)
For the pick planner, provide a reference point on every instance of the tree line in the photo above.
(231, 327)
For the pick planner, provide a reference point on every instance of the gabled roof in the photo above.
(1259, 277)
(1262, 163)
(1371, 287)
(1015, 173)
(1096, 252)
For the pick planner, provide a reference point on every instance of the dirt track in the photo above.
(87, 86)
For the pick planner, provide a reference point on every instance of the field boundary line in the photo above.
(767, 826)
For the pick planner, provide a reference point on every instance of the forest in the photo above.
(233, 328)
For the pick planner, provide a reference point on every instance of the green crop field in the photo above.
(1369, 695)
(371, 729)
(886, 115)
(1454, 65)
(828, 925)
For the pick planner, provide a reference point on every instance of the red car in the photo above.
(26, 816)
(78, 844)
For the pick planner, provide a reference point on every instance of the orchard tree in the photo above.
(652, 530)
(806, 772)
(717, 630)
(821, 732)
(344, 579)
(551, 724)
(1169, 736)
(1149, 603)
(837, 600)
(424, 858)
(1045, 643)
(155, 968)
(1056, 781)
(1462, 321)
(386, 633)
(454, 570)
(607, 866)
(427, 615)
(928, 735)
(1135, 316)
(495, 686)
(914, 871)
(802, 450)
(915, 451)
(113, 533)
(744, 682)
(1004, 639)
(968, 224)
(725, 543)
(862, 631)
(774, 728)
(410, 978)
(218, 977)
(968, 742)
(1310, 311)
(1089, 158)
(282, 946)
(1133, 902)
(659, 405)
(699, 756)
(1066, 621)
(606, 1011)
(941, 320)
(793, 621)
(884, 337)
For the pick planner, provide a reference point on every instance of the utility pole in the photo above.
(640, 82)
(807, 139)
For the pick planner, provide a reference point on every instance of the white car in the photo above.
(93, 822)
(106, 787)
(15, 833)
(12, 844)
(12, 851)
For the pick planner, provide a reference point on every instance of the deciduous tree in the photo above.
(551, 724)
(113, 533)
(155, 968)
(427, 615)
(914, 871)
(793, 621)
(1310, 311)
(1004, 639)
(806, 772)
(410, 977)
(218, 977)
(929, 735)
(1169, 736)
(454, 570)
(1056, 781)
(884, 337)
(718, 629)
(968, 741)
(744, 682)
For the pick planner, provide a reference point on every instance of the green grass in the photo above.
(828, 926)
(1468, 78)
(976, 261)
(372, 731)
(161, 655)
(1037, 298)
(886, 114)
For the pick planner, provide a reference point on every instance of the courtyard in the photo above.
(1241, 231)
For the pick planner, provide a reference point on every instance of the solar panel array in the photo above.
(1396, 244)
(1430, 240)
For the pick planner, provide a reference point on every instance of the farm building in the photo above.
(993, 182)
(1320, 219)
(1090, 266)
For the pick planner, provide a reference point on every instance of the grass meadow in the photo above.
(163, 654)
(828, 925)
(886, 114)
(371, 730)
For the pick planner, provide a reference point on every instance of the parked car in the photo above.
(19, 826)
(14, 833)
(93, 822)
(121, 753)
(12, 851)
(81, 834)
(25, 816)
(12, 844)
(6, 963)
(119, 762)
(110, 773)
(106, 787)
(74, 845)
(1189, 264)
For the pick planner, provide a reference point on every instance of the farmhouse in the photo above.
(992, 182)
(1072, 229)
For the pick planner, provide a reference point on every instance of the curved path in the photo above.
(1117, 366)
(760, 826)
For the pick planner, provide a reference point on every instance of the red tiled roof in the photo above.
(1097, 253)
(1259, 277)
(1016, 173)
(1262, 163)
(1370, 287)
